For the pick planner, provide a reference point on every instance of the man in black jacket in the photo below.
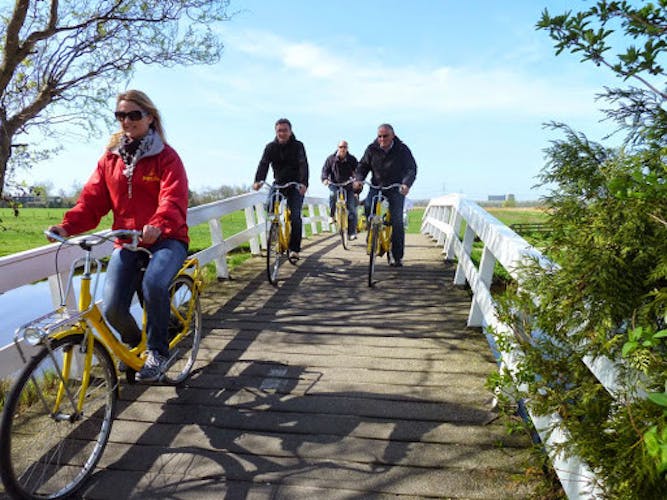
(339, 168)
(391, 162)
(287, 157)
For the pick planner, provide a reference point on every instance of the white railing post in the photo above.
(468, 239)
(216, 238)
(455, 220)
(250, 222)
(486, 266)
(312, 217)
(261, 221)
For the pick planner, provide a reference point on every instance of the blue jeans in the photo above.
(351, 208)
(396, 202)
(123, 278)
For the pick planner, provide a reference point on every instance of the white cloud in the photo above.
(324, 80)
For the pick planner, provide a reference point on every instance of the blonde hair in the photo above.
(144, 102)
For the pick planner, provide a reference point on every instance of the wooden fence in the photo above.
(443, 220)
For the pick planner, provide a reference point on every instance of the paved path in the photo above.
(324, 388)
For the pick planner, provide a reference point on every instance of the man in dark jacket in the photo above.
(391, 162)
(287, 157)
(339, 168)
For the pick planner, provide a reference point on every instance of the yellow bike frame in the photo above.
(341, 210)
(382, 217)
(284, 222)
(92, 325)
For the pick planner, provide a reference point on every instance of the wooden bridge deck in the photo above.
(324, 388)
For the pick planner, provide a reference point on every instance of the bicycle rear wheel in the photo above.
(273, 253)
(48, 449)
(341, 220)
(373, 242)
(184, 329)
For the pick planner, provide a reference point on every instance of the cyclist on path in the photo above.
(339, 168)
(391, 162)
(287, 157)
(142, 181)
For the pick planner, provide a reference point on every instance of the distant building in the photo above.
(501, 197)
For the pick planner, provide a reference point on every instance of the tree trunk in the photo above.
(5, 153)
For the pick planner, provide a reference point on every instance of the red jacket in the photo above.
(159, 196)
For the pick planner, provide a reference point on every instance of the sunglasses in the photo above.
(134, 116)
(383, 136)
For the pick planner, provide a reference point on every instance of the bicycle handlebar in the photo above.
(281, 186)
(384, 188)
(88, 242)
(341, 184)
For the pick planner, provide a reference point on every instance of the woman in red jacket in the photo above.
(141, 179)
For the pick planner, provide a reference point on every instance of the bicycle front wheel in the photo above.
(184, 329)
(373, 242)
(47, 447)
(341, 220)
(273, 253)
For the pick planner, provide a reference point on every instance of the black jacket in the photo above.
(337, 170)
(394, 166)
(288, 161)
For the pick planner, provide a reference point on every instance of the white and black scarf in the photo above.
(131, 151)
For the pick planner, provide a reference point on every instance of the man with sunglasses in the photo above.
(391, 162)
(287, 157)
(339, 168)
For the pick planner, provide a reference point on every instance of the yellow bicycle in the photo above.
(341, 217)
(378, 242)
(58, 414)
(278, 231)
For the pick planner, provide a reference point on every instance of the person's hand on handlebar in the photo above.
(257, 185)
(404, 189)
(57, 229)
(150, 234)
(326, 182)
(302, 189)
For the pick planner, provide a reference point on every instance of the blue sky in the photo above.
(466, 85)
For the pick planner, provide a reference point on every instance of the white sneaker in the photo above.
(331, 220)
(352, 237)
(153, 367)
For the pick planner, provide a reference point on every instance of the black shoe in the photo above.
(293, 257)
(396, 263)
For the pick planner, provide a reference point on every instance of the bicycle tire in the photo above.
(373, 241)
(273, 253)
(341, 220)
(42, 456)
(185, 329)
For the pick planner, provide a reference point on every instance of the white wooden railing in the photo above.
(443, 220)
(38, 264)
